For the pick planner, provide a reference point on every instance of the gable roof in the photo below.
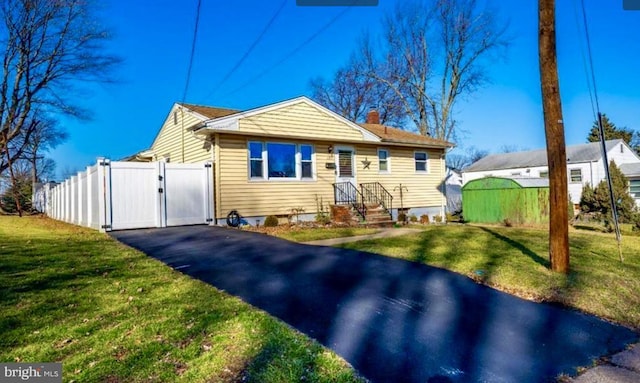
(575, 154)
(395, 135)
(209, 111)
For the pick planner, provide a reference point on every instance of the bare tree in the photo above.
(352, 92)
(432, 54)
(554, 131)
(49, 47)
(461, 161)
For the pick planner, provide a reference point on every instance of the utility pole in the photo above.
(554, 132)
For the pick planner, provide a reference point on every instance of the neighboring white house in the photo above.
(632, 171)
(584, 165)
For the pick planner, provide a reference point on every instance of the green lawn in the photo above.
(515, 260)
(109, 313)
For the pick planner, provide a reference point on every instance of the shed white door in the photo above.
(187, 194)
(134, 196)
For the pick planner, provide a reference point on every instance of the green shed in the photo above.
(522, 200)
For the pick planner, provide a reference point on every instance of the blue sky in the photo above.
(154, 39)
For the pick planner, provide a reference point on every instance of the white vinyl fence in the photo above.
(112, 195)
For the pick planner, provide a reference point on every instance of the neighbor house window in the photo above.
(255, 160)
(576, 175)
(634, 188)
(421, 159)
(276, 160)
(383, 160)
(544, 174)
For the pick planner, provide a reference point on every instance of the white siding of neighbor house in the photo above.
(592, 172)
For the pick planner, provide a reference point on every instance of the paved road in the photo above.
(394, 321)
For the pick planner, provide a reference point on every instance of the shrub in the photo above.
(437, 218)
(413, 218)
(271, 221)
(424, 219)
(596, 200)
(402, 217)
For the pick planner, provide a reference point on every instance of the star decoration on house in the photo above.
(366, 163)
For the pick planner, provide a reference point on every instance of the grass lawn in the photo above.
(306, 234)
(109, 313)
(515, 260)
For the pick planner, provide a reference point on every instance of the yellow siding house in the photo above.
(293, 154)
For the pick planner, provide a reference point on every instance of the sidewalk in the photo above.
(623, 367)
(384, 233)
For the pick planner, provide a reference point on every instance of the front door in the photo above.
(345, 166)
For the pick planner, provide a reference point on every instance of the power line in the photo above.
(248, 52)
(584, 61)
(186, 85)
(605, 160)
(292, 52)
(193, 51)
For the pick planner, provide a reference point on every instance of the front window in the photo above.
(306, 154)
(634, 188)
(279, 161)
(421, 159)
(383, 160)
(255, 160)
(576, 175)
(544, 174)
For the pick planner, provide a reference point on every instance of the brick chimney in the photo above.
(373, 117)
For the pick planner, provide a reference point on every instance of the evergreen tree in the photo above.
(597, 200)
(611, 132)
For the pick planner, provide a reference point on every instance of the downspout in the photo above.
(443, 164)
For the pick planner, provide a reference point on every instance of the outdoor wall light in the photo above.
(330, 149)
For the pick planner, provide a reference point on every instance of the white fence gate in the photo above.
(130, 195)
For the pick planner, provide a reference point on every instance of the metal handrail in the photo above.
(346, 193)
(374, 192)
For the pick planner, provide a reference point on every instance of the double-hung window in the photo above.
(634, 188)
(256, 168)
(383, 161)
(421, 160)
(280, 161)
(576, 175)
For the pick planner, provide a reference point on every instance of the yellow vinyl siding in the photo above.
(260, 198)
(422, 188)
(169, 140)
(299, 120)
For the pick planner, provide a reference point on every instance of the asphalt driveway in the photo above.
(393, 320)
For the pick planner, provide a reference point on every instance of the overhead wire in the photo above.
(249, 50)
(291, 53)
(188, 80)
(605, 160)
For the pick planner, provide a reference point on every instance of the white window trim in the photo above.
(426, 162)
(388, 161)
(265, 163)
(571, 181)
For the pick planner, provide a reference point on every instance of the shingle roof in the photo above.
(531, 182)
(211, 112)
(630, 170)
(389, 134)
(575, 154)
